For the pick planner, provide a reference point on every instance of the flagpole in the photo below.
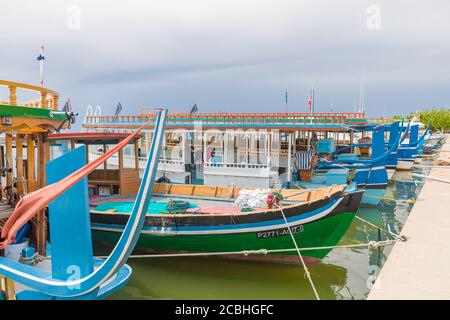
(312, 103)
(41, 67)
(286, 106)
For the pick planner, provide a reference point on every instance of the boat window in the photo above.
(129, 156)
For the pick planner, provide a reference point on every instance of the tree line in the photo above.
(439, 119)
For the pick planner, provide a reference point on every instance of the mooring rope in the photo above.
(396, 236)
(430, 166)
(371, 244)
(430, 178)
(392, 199)
(298, 252)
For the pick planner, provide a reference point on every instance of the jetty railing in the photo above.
(381, 120)
(48, 99)
(237, 165)
(233, 118)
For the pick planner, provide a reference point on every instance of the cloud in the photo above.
(234, 55)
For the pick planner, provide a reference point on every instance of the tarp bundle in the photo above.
(252, 198)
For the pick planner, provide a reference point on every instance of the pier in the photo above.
(418, 268)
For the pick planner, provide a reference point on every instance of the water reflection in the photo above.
(215, 278)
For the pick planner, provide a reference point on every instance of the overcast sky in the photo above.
(233, 55)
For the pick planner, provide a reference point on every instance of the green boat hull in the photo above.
(318, 233)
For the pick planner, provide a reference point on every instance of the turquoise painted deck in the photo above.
(154, 207)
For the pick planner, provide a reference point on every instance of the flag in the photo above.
(118, 109)
(68, 106)
(194, 108)
(286, 104)
(41, 60)
(41, 55)
(310, 103)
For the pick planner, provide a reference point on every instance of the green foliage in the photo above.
(438, 118)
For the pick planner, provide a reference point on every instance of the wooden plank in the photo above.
(207, 191)
(185, 189)
(162, 188)
(129, 182)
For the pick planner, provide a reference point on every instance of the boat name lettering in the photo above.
(278, 232)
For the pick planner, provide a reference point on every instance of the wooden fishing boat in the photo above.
(213, 223)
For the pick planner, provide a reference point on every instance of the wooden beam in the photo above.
(41, 219)
(121, 175)
(9, 160)
(2, 164)
(136, 153)
(31, 183)
(10, 292)
(12, 95)
(21, 189)
(43, 157)
(105, 164)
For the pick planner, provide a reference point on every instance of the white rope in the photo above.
(298, 252)
(396, 236)
(370, 244)
(430, 166)
(392, 199)
(430, 178)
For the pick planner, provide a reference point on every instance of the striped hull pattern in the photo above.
(405, 164)
(374, 181)
(373, 196)
(320, 223)
(368, 178)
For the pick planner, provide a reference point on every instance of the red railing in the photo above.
(181, 118)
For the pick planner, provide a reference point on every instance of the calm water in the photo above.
(343, 274)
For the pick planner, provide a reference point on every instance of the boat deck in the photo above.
(418, 268)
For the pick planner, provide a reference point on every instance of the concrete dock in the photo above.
(420, 267)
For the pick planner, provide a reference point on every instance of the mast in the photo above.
(286, 102)
(41, 60)
(361, 93)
